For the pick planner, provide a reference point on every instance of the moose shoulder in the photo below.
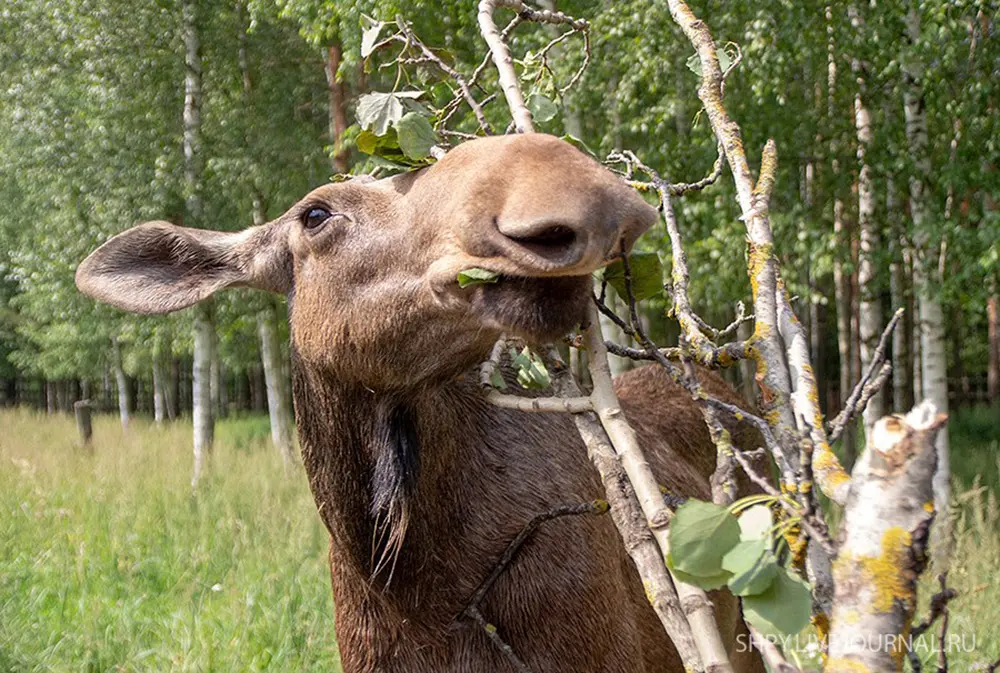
(419, 481)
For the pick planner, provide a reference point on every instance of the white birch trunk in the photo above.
(201, 389)
(932, 338)
(121, 381)
(841, 281)
(277, 390)
(159, 388)
(869, 306)
(204, 325)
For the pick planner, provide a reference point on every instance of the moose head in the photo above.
(370, 267)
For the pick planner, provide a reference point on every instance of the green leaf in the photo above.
(724, 60)
(542, 108)
(578, 144)
(369, 35)
(647, 275)
(701, 534)
(476, 276)
(531, 371)
(694, 64)
(756, 523)
(496, 380)
(378, 111)
(708, 583)
(753, 566)
(416, 137)
(784, 609)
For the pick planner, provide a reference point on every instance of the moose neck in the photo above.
(398, 481)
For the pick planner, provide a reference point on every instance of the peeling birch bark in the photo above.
(887, 523)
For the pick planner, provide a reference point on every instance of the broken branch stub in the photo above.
(887, 520)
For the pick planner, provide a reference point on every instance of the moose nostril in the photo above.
(543, 243)
(551, 239)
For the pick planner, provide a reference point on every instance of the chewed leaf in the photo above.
(476, 276)
(369, 36)
(378, 111)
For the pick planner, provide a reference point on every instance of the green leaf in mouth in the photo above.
(476, 276)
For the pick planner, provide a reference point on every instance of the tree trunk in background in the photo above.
(159, 388)
(869, 304)
(201, 383)
(845, 339)
(338, 107)
(841, 281)
(993, 327)
(934, 365)
(174, 398)
(122, 382)
(50, 397)
(902, 363)
(204, 324)
(277, 386)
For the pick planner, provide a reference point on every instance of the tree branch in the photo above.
(504, 62)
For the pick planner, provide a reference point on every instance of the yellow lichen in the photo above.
(842, 665)
(929, 506)
(888, 571)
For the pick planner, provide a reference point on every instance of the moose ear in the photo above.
(158, 267)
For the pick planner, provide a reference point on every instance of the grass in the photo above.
(109, 563)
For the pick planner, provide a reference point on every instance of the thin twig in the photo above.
(500, 643)
(856, 402)
(448, 70)
(593, 507)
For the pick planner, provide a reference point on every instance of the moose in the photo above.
(421, 482)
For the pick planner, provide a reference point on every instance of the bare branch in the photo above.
(491, 632)
(448, 70)
(504, 62)
(856, 401)
(633, 528)
(572, 405)
(776, 661)
(830, 475)
(697, 607)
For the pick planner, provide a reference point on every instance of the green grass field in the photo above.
(109, 563)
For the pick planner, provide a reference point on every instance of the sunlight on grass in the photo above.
(109, 563)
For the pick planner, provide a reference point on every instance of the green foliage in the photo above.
(476, 276)
(701, 534)
(531, 371)
(646, 274)
(108, 562)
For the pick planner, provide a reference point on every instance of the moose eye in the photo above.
(315, 218)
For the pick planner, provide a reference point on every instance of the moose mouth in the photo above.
(536, 308)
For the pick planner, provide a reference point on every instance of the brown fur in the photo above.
(420, 482)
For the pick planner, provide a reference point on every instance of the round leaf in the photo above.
(542, 108)
(783, 610)
(646, 271)
(756, 523)
(753, 567)
(701, 533)
(416, 137)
